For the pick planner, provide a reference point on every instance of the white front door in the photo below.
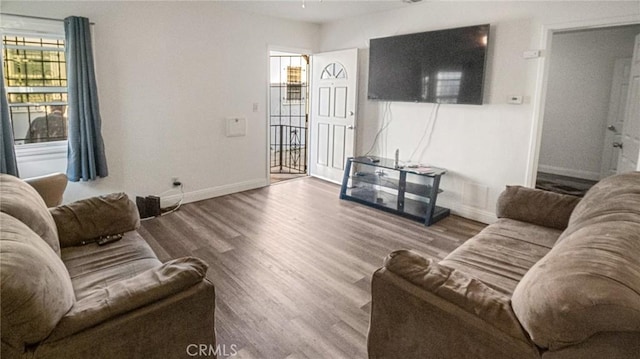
(615, 117)
(333, 112)
(631, 131)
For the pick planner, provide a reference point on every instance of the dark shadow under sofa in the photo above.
(61, 298)
(554, 277)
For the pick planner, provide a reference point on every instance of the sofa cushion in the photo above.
(93, 267)
(94, 217)
(36, 289)
(50, 187)
(613, 198)
(458, 288)
(128, 294)
(590, 281)
(23, 202)
(535, 206)
(502, 253)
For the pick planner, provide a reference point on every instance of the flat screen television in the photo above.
(443, 66)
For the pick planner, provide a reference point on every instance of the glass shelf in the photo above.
(410, 192)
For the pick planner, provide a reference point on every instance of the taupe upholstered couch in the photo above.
(546, 280)
(62, 299)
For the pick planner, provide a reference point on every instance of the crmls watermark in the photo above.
(210, 350)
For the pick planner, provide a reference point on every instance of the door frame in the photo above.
(267, 106)
(540, 92)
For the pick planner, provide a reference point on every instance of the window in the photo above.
(294, 83)
(448, 86)
(333, 71)
(36, 83)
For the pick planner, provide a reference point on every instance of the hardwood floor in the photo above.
(292, 264)
(563, 184)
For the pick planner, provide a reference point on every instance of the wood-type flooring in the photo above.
(292, 264)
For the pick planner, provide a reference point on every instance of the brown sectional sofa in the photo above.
(554, 277)
(63, 299)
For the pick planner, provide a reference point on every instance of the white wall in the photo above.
(483, 147)
(168, 74)
(579, 87)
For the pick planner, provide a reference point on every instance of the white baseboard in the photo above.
(212, 192)
(326, 179)
(461, 210)
(469, 212)
(594, 176)
(474, 214)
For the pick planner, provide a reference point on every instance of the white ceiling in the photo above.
(316, 11)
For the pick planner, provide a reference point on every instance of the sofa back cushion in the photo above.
(94, 217)
(590, 280)
(544, 208)
(614, 198)
(23, 202)
(36, 289)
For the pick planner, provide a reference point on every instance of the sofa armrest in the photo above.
(423, 310)
(50, 187)
(124, 296)
(94, 217)
(536, 206)
(167, 328)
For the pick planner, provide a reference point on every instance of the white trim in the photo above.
(541, 81)
(26, 26)
(590, 175)
(35, 89)
(326, 179)
(212, 192)
(473, 213)
(466, 211)
(41, 151)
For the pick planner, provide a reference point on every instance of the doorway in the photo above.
(288, 115)
(583, 107)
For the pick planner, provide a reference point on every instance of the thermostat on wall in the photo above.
(236, 126)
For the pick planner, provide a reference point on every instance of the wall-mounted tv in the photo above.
(443, 66)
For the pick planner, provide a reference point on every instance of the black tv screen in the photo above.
(444, 66)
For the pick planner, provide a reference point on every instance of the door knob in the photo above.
(351, 113)
(350, 127)
(611, 128)
(617, 144)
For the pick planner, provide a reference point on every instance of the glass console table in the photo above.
(406, 191)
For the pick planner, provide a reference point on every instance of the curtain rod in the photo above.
(38, 17)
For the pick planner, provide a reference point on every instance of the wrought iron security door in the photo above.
(288, 113)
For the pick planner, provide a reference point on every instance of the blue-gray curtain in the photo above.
(8, 162)
(86, 158)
